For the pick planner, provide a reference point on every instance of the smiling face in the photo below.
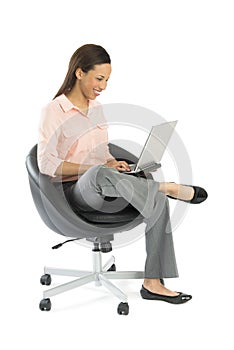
(94, 81)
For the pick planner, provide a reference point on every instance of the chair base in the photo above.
(101, 275)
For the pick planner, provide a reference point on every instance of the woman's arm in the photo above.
(69, 169)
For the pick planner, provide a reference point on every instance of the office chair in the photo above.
(96, 227)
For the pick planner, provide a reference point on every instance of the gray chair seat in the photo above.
(125, 215)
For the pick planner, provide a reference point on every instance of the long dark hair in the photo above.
(85, 57)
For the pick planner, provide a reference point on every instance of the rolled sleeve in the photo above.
(49, 131)
(48, 164)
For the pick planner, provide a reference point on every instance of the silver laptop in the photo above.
(154, 148)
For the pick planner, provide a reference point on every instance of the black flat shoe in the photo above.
(177, 299)
(199, 196)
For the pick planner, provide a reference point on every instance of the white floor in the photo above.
(87, 317)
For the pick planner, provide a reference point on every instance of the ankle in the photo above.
(169, 188)
(151, 282)
(173, 189)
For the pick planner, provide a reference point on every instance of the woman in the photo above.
(73, 148)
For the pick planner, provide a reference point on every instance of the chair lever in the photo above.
(60, 244)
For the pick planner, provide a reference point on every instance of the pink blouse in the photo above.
(66, 134)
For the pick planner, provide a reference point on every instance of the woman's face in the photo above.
(94, 81)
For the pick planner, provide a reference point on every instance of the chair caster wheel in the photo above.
(45, 280)
(123, 309)
(45, 305)
(112, 268)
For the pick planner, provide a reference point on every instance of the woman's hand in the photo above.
(120, 165)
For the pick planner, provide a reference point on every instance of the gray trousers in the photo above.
(99, 181)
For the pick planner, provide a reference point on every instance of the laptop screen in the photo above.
(156, 144)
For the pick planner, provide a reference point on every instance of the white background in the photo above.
(175, 58)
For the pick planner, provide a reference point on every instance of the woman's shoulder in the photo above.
(53, 105)
(52, 112)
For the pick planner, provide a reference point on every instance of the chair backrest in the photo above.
(56, 212)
